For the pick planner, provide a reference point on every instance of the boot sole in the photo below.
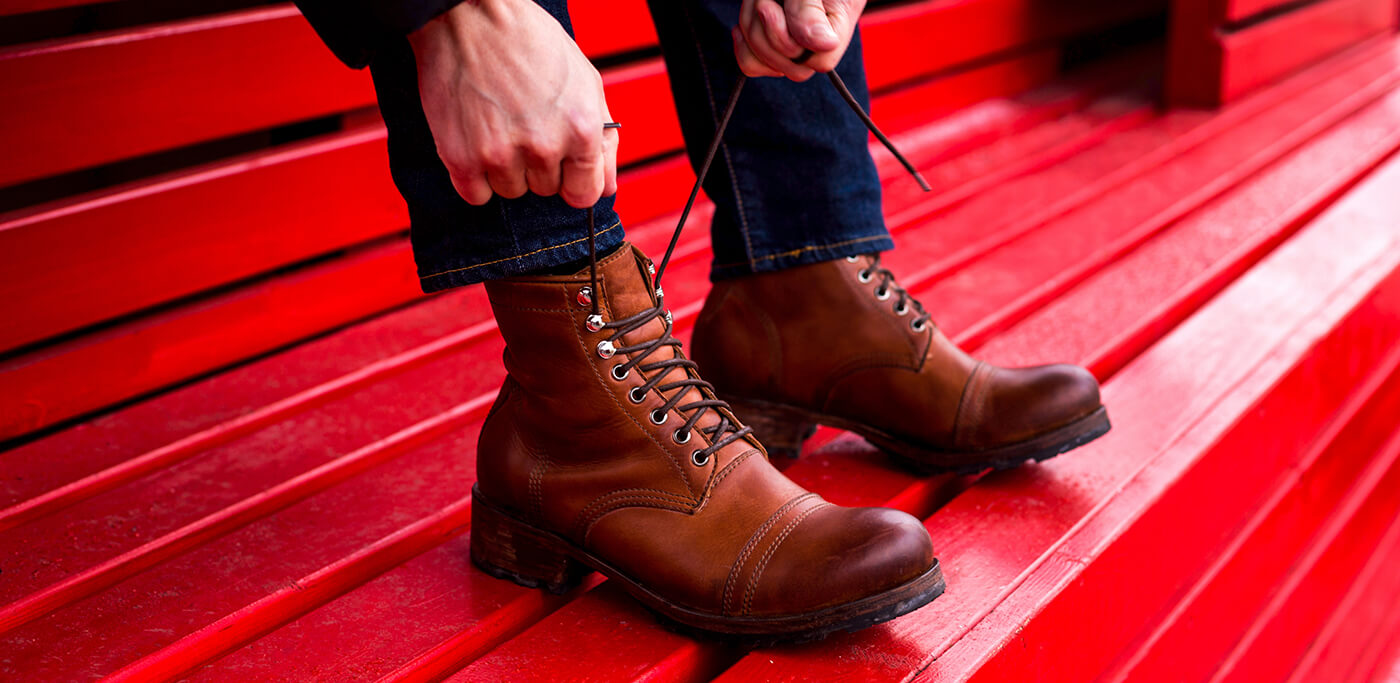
(788, 427)
(508, 548)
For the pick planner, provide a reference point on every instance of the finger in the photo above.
(751, 65)
(772, 43)
(473, 188)
(610, 143)
(583, 181)
(583, 167)
(810, 26)
(508, 181)
(543, 174)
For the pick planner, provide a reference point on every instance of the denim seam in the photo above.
(521, 256)
(724, 148)
(802, 250)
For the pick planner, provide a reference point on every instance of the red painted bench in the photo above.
(242, 441)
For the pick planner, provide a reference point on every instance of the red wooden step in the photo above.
(332, 506)
(1361, 641)
(687, 654)
(566, 650)
(180, 536)
(1212, 61)
(1028, 541)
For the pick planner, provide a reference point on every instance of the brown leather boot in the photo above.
(605, 450)
(840, 343)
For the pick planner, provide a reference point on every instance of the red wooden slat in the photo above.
(86, 101)
(1263, 53)
(1017, 538)
(1354, 645)
(1236, 585)
(934, 35)
(605, 27)
(1209, 65)
(1239, 10)
(23, 6)
(194, 230)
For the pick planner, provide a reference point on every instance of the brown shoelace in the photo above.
(904, 301)
(725, 431)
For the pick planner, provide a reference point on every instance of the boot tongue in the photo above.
(626, 280)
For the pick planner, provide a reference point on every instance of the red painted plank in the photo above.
(1017, 538)
(194, 230)
(23, 6)
(1235, 582)
(937, 35)
(1319, 579)
(1209, 65)
(1356, 643)
(846, 479)
(75, 114)
(1263, 53)
(606, 27)
(1237, 230)
(77, 376)
(189, 232)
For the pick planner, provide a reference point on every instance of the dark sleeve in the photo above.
(354, 29)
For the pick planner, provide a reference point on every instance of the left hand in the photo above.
(771, 34)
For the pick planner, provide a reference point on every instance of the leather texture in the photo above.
(829, 339)
(566, 450)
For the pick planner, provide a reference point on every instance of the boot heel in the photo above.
(507, 548)
(781, 430)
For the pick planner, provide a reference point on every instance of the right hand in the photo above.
(514, 105)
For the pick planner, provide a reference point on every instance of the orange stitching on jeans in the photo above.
(513, 258)
(802, 250)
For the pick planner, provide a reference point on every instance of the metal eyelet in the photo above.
(624, 374)
(662, 421)
(699, 459)
(901, 308)
(882, 294)
(585, 296)
(676, 436)
(593, 323)
(606, 349)
(917, 326)
(864, 276)
(852, 259)
(669, 319)
(651, 267)
(637, 395)
(660, 294)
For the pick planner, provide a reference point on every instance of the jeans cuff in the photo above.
(812, 253)
(545, 257)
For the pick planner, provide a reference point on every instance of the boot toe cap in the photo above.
(1021, 403)
(840, 555)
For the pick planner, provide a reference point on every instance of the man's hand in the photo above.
(514, 105)
(771, 34)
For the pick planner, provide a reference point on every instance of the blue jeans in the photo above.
(793, 182)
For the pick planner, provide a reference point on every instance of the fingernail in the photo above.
(824, 31)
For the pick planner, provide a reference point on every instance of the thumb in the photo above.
(809, 25)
